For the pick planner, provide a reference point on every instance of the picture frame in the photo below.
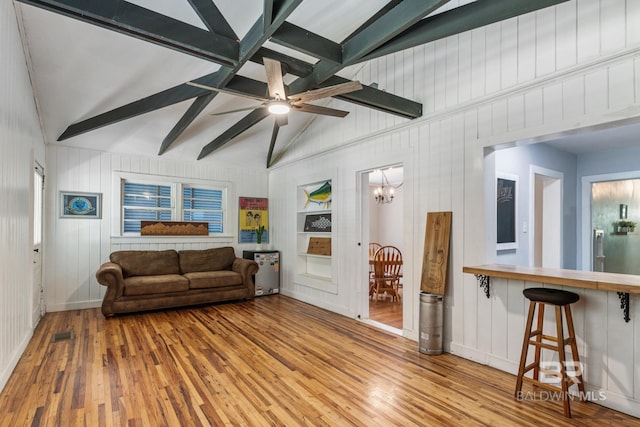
(317, 223)
(506, 211)
(74, 204)
(253, 213)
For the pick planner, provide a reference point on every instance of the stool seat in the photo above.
(551, 296)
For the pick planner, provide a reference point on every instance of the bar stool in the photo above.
(540, 297)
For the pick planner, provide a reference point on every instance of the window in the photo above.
(144, 202)
(148, 198)
(203, 204)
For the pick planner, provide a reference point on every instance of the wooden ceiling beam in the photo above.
(144, 24)
(179, 93)
(458, 20)
(211, 16)
(195, 109)
(301, 40)
(364, 40)
(267, 14)
(394, 22)
(150, 103)
(291, 65)
(378, 100)
(248, 121)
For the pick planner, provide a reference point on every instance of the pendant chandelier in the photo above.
(384, 193)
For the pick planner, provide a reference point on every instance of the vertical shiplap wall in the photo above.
(570, 66)
(75, 248)
(21, 143)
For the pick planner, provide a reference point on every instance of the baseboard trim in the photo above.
(322, 304)
(51, 307)
(15, 357)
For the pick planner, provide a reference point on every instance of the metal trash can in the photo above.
(431, 320)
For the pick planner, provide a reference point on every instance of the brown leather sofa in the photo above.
(149, 280)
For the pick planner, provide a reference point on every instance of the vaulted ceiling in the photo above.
(144, 77)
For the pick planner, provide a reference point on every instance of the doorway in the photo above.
(384, 210)
(37, 303)
(615, 207)
(546, 227)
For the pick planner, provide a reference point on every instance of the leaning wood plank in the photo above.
(436, 253)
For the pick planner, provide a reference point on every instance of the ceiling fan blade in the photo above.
(274, 78)
(316, 109)
(238, 109)
(325, 92)
(228, 92)
(274, 136)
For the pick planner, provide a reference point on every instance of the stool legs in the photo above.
(561, 356)
(538, 346)
(525, 348)
(535, 338)
(574, 349)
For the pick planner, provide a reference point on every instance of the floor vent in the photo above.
(62, 336)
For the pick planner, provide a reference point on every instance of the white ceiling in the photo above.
(602, 139)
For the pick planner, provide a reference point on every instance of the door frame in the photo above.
(37, 228)
(555, 175)
(363, 213)
(586, 230)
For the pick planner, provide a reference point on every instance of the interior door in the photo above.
(37, 289)
(547, 219)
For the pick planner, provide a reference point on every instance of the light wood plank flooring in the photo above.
(270, 361)
(387, 311)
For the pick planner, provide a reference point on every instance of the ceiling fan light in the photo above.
(278, 107)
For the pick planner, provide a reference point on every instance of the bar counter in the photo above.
(623, 284)
(576, 278)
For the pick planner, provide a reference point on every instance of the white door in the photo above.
(546, 233)
(37, 291)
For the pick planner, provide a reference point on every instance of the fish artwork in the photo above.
(321, 195)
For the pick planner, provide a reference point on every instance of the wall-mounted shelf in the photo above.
(313, 224)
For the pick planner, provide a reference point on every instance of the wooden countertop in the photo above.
(575, 278)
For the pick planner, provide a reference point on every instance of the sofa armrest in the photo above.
(247, 269)
(110, 275)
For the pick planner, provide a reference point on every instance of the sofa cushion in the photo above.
(152, 285)
(146, 263)
(214, 259)
(213, 279)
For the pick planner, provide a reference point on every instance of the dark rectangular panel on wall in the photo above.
(506, 212)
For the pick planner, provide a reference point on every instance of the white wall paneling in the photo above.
(22, 145)
(530, 78)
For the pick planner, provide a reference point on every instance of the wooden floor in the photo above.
(270, 361)
(387, 311)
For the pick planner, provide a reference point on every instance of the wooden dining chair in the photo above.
(387, 265)
(373, 248)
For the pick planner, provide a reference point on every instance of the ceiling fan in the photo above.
(279, 103)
